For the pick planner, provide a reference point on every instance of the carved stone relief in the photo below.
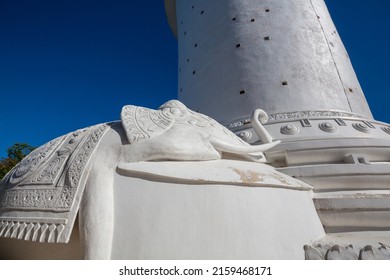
(282, 117)
(46, 181)
(174, 132)
(361, 127)
(336, 252)
(327, 127)
(289, 129)
(310, 114)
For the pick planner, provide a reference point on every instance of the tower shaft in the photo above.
(278, 55)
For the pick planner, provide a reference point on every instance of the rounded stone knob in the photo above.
(289, 129)
(327, 127)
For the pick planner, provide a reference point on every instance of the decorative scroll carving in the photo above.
(336, 252)
(311, 114)
(238, 124)
(30, 194)
(282, 117)
(49, 174)
(48, 180)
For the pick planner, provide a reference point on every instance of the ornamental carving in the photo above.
(174, 132)
(289, 129)
(327, 127)
(142, 123)
(361, 127)
(311, 114)
(280, 117)
(34, 160)
(337, 252)
(50, 232)
(46, 181)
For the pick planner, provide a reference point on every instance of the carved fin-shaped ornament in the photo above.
(142, 123)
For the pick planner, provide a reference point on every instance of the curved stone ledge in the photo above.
(218, 172)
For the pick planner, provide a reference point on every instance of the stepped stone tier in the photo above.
(288, 58)
(304, 177)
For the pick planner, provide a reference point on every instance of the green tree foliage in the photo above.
(15, 154)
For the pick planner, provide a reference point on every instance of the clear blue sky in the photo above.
(67, 64)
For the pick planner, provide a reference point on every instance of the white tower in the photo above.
(282, 56)
(287, 58)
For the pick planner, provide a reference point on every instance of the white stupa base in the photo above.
(158, 216)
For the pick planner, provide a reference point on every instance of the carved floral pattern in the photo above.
(34, 160)
(280, 117)
(142, 123)
(310, 114)
(48, 180)
(78, 166)
(48, 175)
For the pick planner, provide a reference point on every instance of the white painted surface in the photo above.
(214, 172)
(159, 220)
(229, 46)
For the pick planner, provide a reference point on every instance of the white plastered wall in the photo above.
(278, 55)
(159, 220)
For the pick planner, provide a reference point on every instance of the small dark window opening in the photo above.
(266, 38)
(193, 7)
(350, 90)
(242, 91)
(361, 160)
(234, 19)
(285, 83)
(193, 72)
(267, 10)
(188, 60)
(202, 12)
(185, 32)
(252, 20)
(195, 45)
(238, 45)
